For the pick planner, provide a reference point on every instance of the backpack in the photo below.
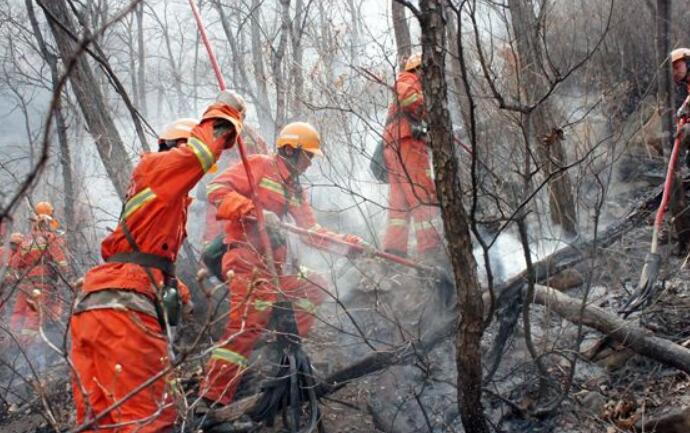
(377, 165)
(212, 256)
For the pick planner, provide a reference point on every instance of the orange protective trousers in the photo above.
(25, 320)
(252, 297)
(113, 352)
(412, 191)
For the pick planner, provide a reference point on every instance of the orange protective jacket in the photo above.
(277, 192)
(408, 105)
(40, 257)
(156, 209)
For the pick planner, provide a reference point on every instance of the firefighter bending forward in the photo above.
(117, 339)
(412, 193)
(252, 291)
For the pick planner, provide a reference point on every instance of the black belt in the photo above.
(146, 260)
(236, 244)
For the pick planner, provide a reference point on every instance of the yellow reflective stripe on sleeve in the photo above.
(271, 185)
(306, 305)
(423, 225)
(261, 305)
(397, 222)
(202, 152)
(409, 100)
(229, 356)
(277, 188)
(140, 199)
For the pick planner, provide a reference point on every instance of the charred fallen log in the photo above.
(622, 331)
(509, 299)
(509, 294)
(369, 364)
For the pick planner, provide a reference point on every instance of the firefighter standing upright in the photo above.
(412, 197)
(38, 266)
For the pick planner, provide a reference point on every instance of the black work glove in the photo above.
(419, 130)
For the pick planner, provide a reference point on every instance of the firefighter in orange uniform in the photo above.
(212, 226)
(38, 265)
(118, 340)
(252, 291)
(412, 196)
(16, 242)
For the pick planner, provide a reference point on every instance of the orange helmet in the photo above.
(180, 129)
(44, 208)
(300, 135)
(413, 62)
(680, 54)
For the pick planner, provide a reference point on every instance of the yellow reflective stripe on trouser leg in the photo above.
(423, 225)
(229, 356)
(137, 201)
(306, 305)
(202, 152)
(397, 222)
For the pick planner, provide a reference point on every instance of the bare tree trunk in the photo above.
(61, 126)
(277, 65)
(141, 70)
(663, 92)
(540, 122)
(296, 75)
(175, 67)
(265, 117)
(458, 85)
(625, 332)
(92, 104)
(356, 22)
(402, 32)
(132, 61)
(241, 81)
(455, 219)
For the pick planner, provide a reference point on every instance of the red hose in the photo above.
(666, 196)
(265, 242)
(207, 43)
(323, 236)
